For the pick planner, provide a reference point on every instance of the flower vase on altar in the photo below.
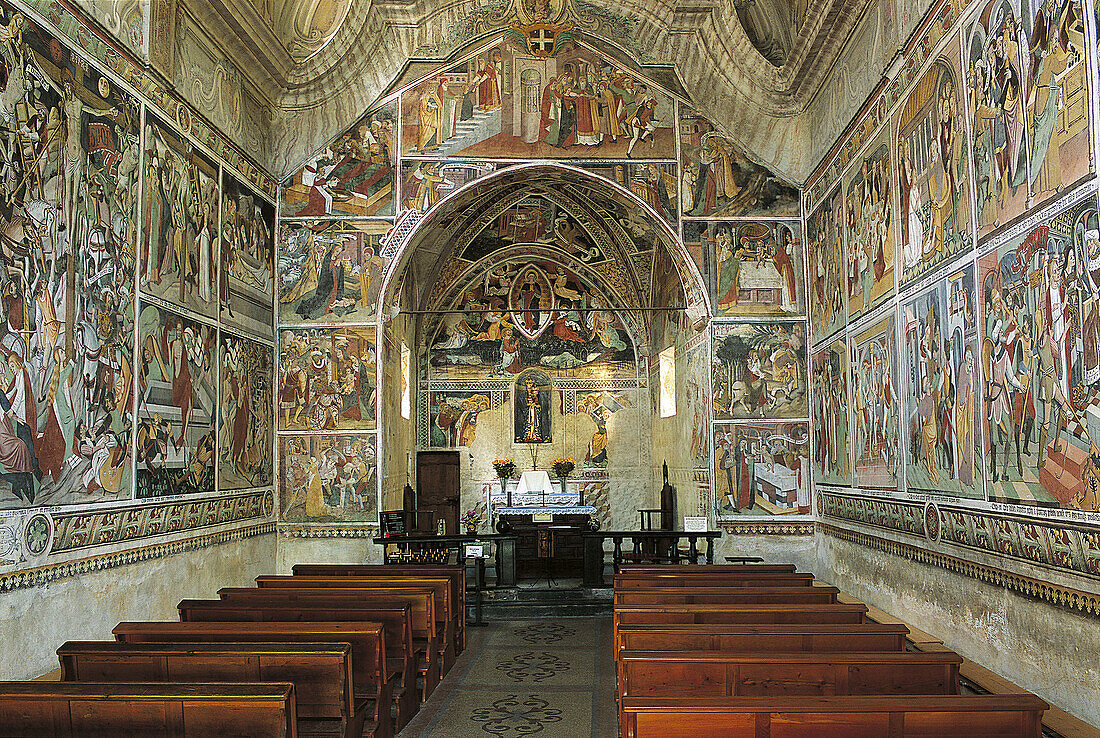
(562, 468)
(505, 468)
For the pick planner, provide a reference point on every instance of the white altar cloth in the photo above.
(534, 483)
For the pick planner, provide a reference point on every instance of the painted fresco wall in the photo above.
(134, 427)
(970, 392)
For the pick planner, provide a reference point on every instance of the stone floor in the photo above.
(552, 678)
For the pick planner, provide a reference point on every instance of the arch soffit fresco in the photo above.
(349, 67)
(427, 249)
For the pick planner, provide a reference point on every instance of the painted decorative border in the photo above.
(1048, 544)
(1072, 599)
(881, 512)
(40, 576)
(93, 42)
(768, 528)
(325, 531)
(79, 530)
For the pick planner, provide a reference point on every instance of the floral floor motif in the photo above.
(533, 667)
(541, 678)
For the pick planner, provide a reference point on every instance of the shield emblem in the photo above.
(531, 301)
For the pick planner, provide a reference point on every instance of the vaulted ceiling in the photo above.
(753, 64)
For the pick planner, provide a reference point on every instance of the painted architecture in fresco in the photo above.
(760, 468)
(245, 435)
(502, 101)
(825, 248)
(933, 172)
(179, 222)
(876, 440)
(943, 391)
(720, 181)
(177, 400)
(329, 271)
(246, 258)
(352, 176)
(1041, 362)
(869, 230)
(755, 268)
(69, 219)
(831, 413)
(328, 478)
(327, 379)
(759, 370)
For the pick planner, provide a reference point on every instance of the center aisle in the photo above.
(549, 677)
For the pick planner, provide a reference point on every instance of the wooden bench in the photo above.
(324, 686)
(707, 569)
(762, 638)
(456, 573)
(742, 614)
(425, 626)
(722, 595)
(953, 716)
(371, 677)
(402, 655)
(716, 674)
(446, 610)
(766, 579)
(81, 710)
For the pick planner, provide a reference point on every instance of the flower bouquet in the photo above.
(505, 469)
(563, 467)
(469, 521)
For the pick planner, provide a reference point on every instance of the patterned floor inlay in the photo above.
(544, 678)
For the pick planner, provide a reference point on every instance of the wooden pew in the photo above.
(456, 573)
(726, 595)
(401, 654)
(371, 676)
(762, 638)
(717, 674)
(743, 614)
(766, 579)
(692, 569)
(446, 610)
(910, 716)
(324, 686)
(425, 626)
(80, 709)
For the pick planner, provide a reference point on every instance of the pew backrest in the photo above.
(721, 595)
(733, 638)
(367, 640)
(62, 709)
(320, 672)
(765, 579)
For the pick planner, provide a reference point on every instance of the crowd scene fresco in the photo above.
(328, 478)
(327, 379)
(70, 159)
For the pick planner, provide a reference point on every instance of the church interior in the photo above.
(556, 367)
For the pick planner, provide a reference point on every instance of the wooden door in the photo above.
(437, 479)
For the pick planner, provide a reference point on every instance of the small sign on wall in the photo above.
(474, 551)
(695, 524)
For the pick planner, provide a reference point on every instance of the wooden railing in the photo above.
(643, 547)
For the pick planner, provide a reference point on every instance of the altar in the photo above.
(548, 525)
